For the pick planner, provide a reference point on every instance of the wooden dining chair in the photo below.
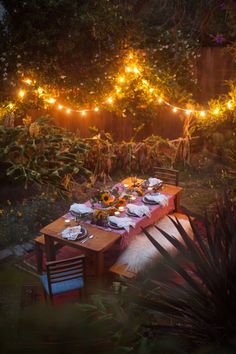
(168, 176)
(63, 276)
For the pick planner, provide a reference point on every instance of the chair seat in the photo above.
(63, 286)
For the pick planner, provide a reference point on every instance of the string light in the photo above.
(21, 93)
(40, 91)
(132, 67)
(121, 79)
(51, 100)
(28, 81)
(11, 105)
(110, 100)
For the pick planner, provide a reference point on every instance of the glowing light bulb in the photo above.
(83, 113)
(121, 79)
(60, 107)
(10, 105)
(68, 111)
(110, 100)
(160, 100)
(174, 109)
(229, 105)
(151, 89)
(118, 90)
(188, 112)
(216, 111)
(21, 93)
(136, 70)
(28, 81)
(202, 114)
(96, 109)
(145, 82)
(40, 90)
(131, 56)
(51, 100)
(128, 69)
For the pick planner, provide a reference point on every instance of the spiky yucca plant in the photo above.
(200, 303)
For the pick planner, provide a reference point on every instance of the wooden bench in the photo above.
(40, 249)
(121, 270)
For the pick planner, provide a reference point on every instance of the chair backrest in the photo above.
(66, 269)
(168, 176)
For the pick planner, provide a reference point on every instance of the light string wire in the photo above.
(131, 67)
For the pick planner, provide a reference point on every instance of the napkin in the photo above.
(71, 233)
(158, 198)
(139, 210)
(154, 181)
(80, 208)
(124, 222)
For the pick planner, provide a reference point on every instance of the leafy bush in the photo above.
(23, 221)
(41, 153)
(200, 303)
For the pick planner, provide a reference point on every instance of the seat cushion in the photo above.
(63, 286)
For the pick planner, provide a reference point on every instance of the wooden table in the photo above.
(102, 240)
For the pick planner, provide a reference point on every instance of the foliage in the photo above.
(41, 153)
(106, 157)
(22, 221)
(105, 325)
(199, 302)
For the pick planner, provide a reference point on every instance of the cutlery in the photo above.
(87, 238)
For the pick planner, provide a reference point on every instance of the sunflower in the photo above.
(121, 202)
(106, 198)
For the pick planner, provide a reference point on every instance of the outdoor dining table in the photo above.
(104, 238)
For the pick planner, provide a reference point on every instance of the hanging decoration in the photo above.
(132, 70)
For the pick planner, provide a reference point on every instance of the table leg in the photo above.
(99, 264)
(49, 248)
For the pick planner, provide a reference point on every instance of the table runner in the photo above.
(157, 212)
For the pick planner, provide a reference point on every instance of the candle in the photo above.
(121, 208)
(116, 213)
(67, 222)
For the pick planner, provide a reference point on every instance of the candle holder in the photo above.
(67, 222)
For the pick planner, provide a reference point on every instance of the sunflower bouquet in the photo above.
(105, 198)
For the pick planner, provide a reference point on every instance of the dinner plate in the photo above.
(83, 234)
(128, 212)
(151, 202)
(114, 226)
(79, 215)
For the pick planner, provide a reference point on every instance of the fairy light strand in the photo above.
(131, 71)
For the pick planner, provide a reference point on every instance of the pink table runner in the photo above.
(157, 212)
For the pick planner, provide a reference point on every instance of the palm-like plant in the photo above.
(200, 302)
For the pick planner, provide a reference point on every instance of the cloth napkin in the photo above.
(71, 233)
(154, 181)
(80, 208)
(158, 198)
(124, 222)
(139, 210)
